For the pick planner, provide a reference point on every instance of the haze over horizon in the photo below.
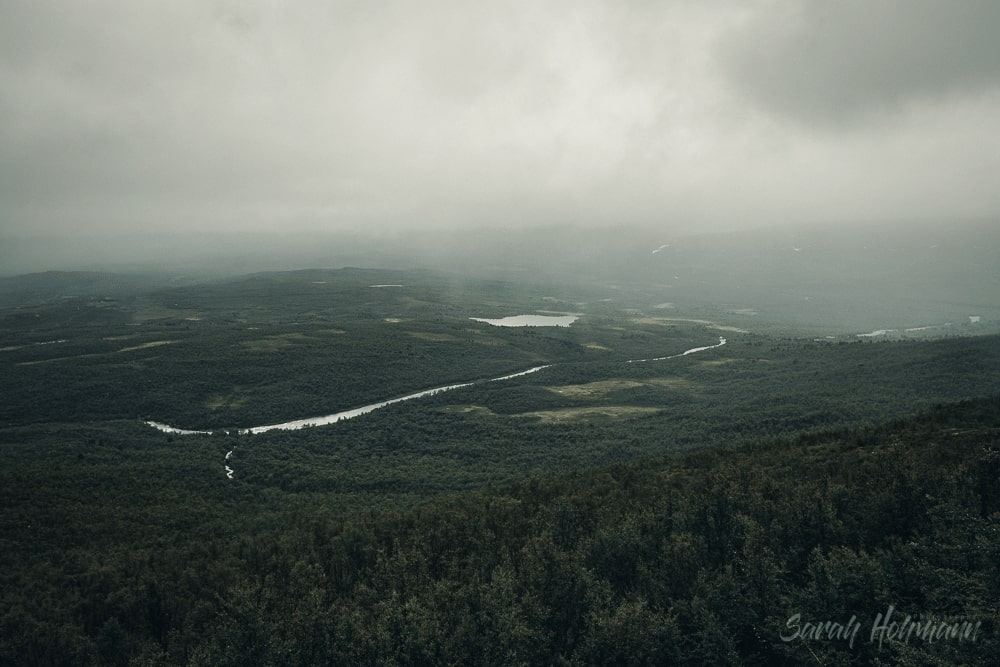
(192, 118)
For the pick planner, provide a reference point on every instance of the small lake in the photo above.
(530, 320)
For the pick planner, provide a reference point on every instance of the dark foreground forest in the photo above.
(768, 499)
(716, 557)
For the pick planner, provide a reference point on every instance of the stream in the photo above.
(349, 414)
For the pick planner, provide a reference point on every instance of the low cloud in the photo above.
(840, 63)
(256, 116)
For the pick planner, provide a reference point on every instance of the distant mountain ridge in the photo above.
(852, 279)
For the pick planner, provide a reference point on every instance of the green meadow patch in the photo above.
(274, 343)
(593, 412)
(234, 399)
(602, 388)
(432, 337)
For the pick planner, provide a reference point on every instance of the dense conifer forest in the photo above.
(769, 500)
(504, 334)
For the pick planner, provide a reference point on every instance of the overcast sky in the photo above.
(255, 115)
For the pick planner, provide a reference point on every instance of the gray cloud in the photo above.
(842, 62)
(191, 115)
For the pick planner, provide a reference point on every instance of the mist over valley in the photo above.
(561, 333)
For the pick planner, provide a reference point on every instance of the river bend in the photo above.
(356, 412)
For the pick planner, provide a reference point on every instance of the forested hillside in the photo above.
(504, 334)
(669, 488)
(716, 557)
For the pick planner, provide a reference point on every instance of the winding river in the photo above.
(349, 414)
